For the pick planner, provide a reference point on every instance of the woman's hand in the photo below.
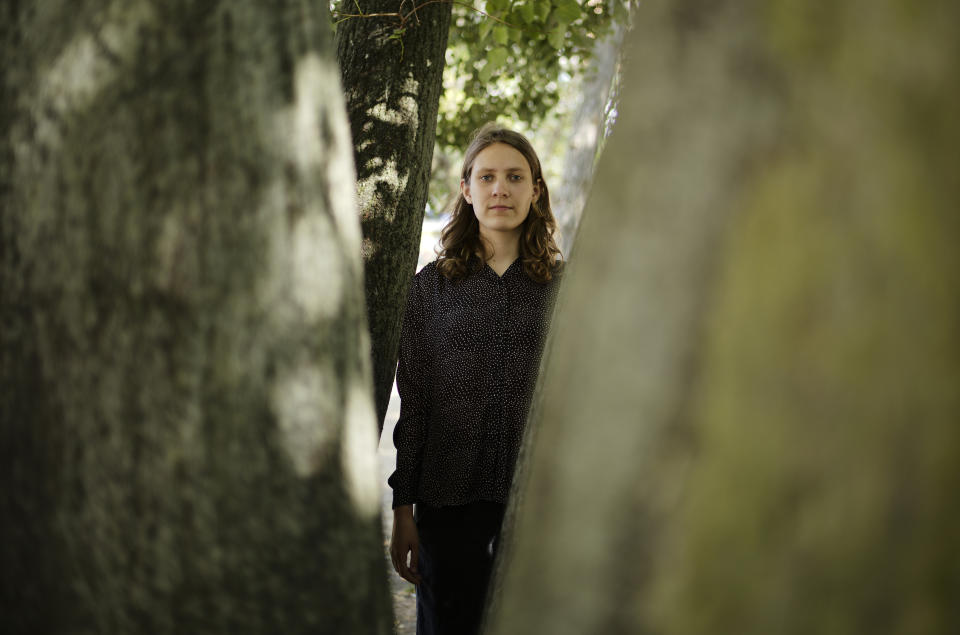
(405, 541)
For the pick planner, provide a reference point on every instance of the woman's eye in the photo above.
(516, 177)
(486, 177)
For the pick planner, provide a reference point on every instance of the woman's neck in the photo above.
(502, 249)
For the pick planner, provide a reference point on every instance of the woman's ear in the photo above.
(465, 191)
(536, 191)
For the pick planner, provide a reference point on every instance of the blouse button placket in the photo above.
(503, 352)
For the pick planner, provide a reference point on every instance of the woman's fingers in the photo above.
(393, 559)
(410, 573)
(415, 560)
(399, 561)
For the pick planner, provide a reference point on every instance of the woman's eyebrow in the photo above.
(516, 169)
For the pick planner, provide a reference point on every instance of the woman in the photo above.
(470, 348)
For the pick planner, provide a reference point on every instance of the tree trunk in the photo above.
(187, 437)
(748, 421)
(586, 136)
(393, 80)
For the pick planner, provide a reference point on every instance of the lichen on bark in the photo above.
(186, 361)
(392, 77)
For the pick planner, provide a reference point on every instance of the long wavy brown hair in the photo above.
(461, 249)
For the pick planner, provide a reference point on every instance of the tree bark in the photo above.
(393, 82)
(187, 438)
(586, 135)
(748, 421)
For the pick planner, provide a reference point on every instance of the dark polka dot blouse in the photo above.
(469, 356)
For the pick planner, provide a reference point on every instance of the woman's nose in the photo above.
(498, 187)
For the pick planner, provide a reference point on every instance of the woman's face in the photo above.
(501, 189)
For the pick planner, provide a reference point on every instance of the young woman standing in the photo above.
(470, 349)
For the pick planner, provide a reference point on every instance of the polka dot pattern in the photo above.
(469, 355)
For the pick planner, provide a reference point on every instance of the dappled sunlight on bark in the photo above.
(303, 401)
(358, 446)
(91, 61)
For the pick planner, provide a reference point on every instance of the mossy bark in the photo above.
(392, 78)
(187, 436)
(748, 422)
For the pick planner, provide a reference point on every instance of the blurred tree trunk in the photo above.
(748, 422)
(586, 135)
(392, 79)
(187, 437)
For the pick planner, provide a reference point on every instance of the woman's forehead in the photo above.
(500, 156)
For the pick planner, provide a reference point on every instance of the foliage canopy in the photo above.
(511, 60)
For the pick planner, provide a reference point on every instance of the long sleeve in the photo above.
(409, 433)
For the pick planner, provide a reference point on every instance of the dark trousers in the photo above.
(457, 547)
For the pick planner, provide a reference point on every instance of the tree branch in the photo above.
(413, 12)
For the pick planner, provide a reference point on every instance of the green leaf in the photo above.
(500, 35)
(543, 9)
(485, 27)
(526, 11)
(497, 5)
(558, 37)
(497, 58)
(485, 73)
(567, 11)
